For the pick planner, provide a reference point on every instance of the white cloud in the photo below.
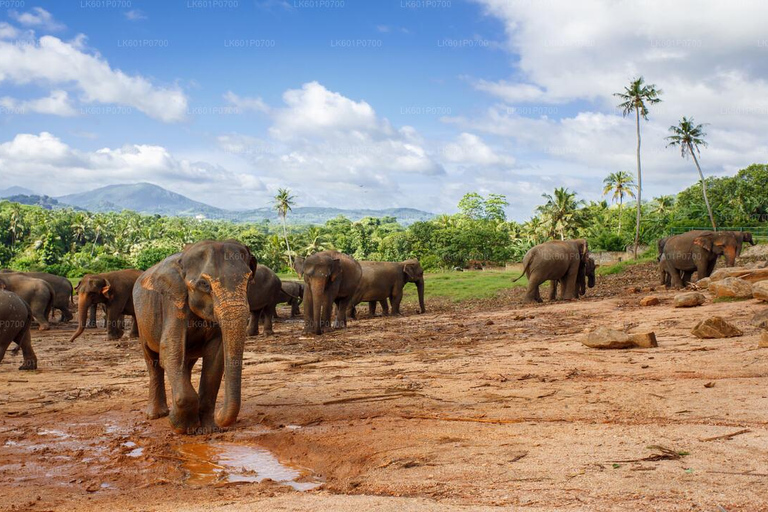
(134, 15)
(246, 104)
(470, 149)
(57, 104)
(37, 18)
(56, 62)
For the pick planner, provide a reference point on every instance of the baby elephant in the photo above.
(15, 320)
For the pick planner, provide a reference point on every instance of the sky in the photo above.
(373, 103)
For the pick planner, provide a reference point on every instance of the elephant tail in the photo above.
(526, 268)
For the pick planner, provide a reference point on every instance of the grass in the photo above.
(461, 286)
(617, 268)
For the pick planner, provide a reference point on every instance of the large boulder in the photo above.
(760, 290)
(752, 275)
(689, 299)
(607, 338)
(650, 300)
(703, 283)
(715, 327)
(731, 287)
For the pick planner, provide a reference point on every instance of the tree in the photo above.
(622, 185)
(688, 137)
(559, 211)
(494, 207)
(636, 98)
(471, 205)
(283, 204)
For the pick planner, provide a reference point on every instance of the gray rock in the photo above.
(689, 299)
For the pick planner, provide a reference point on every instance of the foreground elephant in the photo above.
(697, 251)
(263, 295)
(38, 294)
(62, 289)
(382, 280)
(190, 305)
(585, 279)
(561, 261)
(114, 290)
(291, 293)
(15, 322)
(329, 277)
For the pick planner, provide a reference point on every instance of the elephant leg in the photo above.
(553, 290)
(532, 292)
(341, 314)
(253, 324)
(295, 308)
(30, 359)
(38, 312)
(267, 313)
(210, 381)
(158, 403)
(134, 328)
(308, 314)
(372, 308)
(114, 324)
(674, 276)
(325, 318)
(184, 414)
(396, 298)
(91, 317)
(384, 307)
(569, 284)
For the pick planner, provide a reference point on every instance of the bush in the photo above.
(25, 264)
(152, 255)
(607, 241)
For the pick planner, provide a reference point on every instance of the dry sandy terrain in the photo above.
(451, 410)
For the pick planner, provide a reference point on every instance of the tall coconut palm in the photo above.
(284, 202)
(636, 98)
(688, 137)
(621, 184)
(559, 211)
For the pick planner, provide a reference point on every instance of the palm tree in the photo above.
(635, 98)
(283, 204)
(622, 185)
(559, 211)
(663, 205)
(689, 136)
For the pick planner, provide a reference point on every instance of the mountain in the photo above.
(151, 199)
(15, 191)
(46, 202)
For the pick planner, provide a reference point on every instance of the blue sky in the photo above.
(369, 103)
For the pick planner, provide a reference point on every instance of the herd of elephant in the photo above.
(203, 302)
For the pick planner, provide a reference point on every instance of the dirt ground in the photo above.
(467, 407)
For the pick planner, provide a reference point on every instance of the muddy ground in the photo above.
(497, 406)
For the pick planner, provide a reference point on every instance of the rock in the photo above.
(689, 299)
(760, 290)
(763, 343)
(605, 338)
(632, 289)
(752, 275)
(731, 287)
(703, 284)
(715, 327)
(760, 319)
(650, 300)
(644, 339)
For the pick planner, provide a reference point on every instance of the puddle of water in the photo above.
(231, 463)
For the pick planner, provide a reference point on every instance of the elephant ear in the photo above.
(252, 263)
(336, 270)
(703, 241)
(410, 270)
(107, 291)
(298, 265)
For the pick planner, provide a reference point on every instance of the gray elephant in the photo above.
(741, 237)
(194, 305)
(561, 261)
(263, 294)
(697, 251)
(291, 293)
(62, 289)
(15, 322)
(382, 280)
(330, 277)
(585, 279)
(114, 290)
(35, 292)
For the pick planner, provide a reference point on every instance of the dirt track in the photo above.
(500, 407)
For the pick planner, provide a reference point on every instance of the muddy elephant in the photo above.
(330, 277)
(382, 280)
(114, 290)
(35, 292)
(697, 251)
(15, 323)
(560, 261)
(192, 305)
(263, 295)
(292, 293)
(62, 289)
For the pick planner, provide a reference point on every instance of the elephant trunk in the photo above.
(232, 316)
(420, 290)
(83, 303)
(317, 288)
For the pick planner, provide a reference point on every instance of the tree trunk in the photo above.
(621, 200)
(703, 188)
(287, 246)
(639, 182)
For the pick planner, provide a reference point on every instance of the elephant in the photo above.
(666, 279)
(382, 280)
(62, 289)
(697, 251)
(15, 323)
(586, 278)
(114, 290)
(192, 305)
(263, 295)
(35, 292)
(292, 293)
(330, 277)
(558, 260)
(741, 237)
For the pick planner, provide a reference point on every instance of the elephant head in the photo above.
(587, 274)
(415, 274)
(718, 243)
(321, 273)
(92, 289)
(298, 265)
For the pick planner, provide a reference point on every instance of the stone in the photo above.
(606, 338)
(760, 290)
(644, 339)
(760, 319)
(763, 343)
(703, 284)
(632, 289)
(732, 287)
(715, 327)
(650, 300)
(689, 299)
(752, 275)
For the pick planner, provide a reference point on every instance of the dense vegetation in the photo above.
(72, 243)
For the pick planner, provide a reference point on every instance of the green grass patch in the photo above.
(730, 299)
(461, 286)
(617, 268)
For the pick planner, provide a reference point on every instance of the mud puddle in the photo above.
(223, 463)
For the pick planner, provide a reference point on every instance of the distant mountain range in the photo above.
(151, 199)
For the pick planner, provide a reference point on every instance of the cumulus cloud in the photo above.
(470, 149)
(57, 103)
(37, 18)
(134, 15)
(56, 62)
(246, 104)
